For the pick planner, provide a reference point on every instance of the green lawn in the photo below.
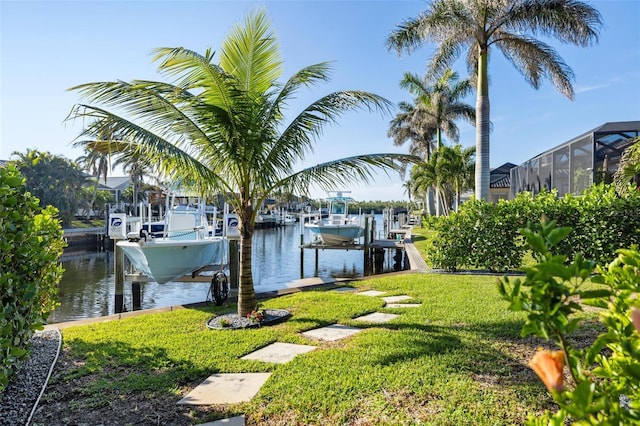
(456, 360)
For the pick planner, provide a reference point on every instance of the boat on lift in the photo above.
(186, 245)
(338, 228)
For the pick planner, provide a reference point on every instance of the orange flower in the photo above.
(548, 366)
(635, 318)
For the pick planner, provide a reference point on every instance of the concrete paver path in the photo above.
(372, 293)
(394, 299)
(279, 353)
(232, 421)
(226, 389)
(402, 305)
(332, 332)
(377, 317)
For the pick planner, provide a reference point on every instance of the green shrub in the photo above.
(29, 270)
(605, 377)
(484, 235)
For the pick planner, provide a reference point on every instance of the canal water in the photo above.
(87, 289)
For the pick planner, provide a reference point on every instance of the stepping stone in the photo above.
(332, 332)
(372, 293)
(345, 289)
(394, 299)
(226, 389)
(231, 421)
(377, 317)
(279, 353)
(402, 305)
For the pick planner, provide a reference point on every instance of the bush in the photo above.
(605, 378)
(484, 235)
(29, 270)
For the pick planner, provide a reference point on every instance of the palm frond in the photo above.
(339, 173)
(535, 60)
(250, 53)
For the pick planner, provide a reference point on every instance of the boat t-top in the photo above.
(338, 228)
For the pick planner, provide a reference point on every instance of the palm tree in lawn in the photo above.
(475, 26)
(436, 108)
(221, 127)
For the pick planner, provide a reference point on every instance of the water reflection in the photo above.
(87, 289)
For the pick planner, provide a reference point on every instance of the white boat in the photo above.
(188, 245)
(338, 228)
(289, 219)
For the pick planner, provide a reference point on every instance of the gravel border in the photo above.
(20, 398)
(235, 322)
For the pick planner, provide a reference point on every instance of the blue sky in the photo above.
(48, 46)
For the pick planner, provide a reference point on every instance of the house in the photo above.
(115, 185)
(500, 182)
(574, 165)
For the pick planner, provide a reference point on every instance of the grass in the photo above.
(456, 360)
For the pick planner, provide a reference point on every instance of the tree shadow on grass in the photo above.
(116, 383)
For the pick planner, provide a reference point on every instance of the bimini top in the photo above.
(340, 197)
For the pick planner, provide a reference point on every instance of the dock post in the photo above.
(234, 263)
(316, 271)
(365, 267)
(119, 278)
(136, 295)
(301, 255)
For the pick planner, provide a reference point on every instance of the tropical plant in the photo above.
(97, 164)
(457, 167)
(510, 26)
(605, 377)
(54, 179)
(435, 108)
(221, 127)
(30, 246)
(629, 168)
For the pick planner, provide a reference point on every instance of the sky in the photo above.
(46, 47)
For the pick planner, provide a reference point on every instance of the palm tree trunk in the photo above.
(482, 129)
(246, 293)
(431, 207)
(438, 198)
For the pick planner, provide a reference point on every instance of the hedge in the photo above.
(30, 247)
(486, 236)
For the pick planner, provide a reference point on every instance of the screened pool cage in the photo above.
(592, 157)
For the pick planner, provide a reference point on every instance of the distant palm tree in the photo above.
(436, 107)
(510, 26)
(456, 166)
(221, 127)
(96, 163)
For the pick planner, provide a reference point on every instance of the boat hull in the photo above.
(165, 260)
(337, 234)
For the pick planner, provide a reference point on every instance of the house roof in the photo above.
(500, 177)
(118, 183)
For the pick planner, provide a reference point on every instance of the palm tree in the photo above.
(435, 109)
(95, 163)
(510, 26)
(220, 127)
(456, 166)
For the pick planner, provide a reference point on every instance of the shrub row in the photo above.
(486, 236)
(30, 247)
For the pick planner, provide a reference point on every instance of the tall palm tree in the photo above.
(510, 26)
(220, 126)
(435, 109)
